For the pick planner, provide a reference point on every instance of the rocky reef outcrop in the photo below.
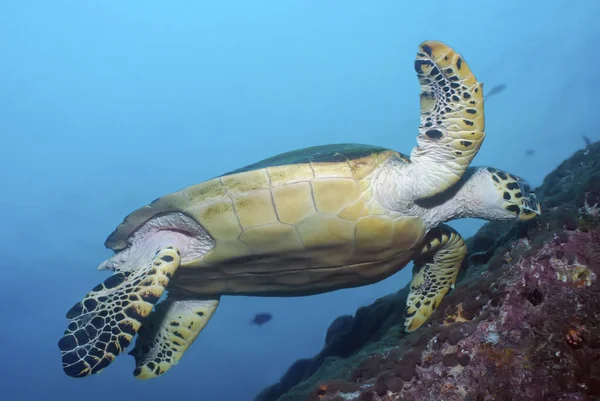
(523, 322)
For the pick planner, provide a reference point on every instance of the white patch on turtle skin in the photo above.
(474, 196)
(170, 229)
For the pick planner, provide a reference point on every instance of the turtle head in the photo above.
(514, 194)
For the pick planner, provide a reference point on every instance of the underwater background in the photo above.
(105, 106)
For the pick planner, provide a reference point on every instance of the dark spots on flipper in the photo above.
(70, 358)
(409, 314)
(471, 111)
(459, 63)
(79, 369)
(476, 90)
(96, 352)
(200, 314)
(518, 195)
(427, 49)
(434, 134)
(137, 371)
(127, 328)
(167, 258)
(496, 179)
(491, 169)
(435, 72)
(437, 233)
(90, 304)
(466, 144)
(133, 313)
(512, 185)
(506, 195)
(178, 334)
(466, 95)
(418, 305)
(101, 365)
(67, 343)
(82, 337)
(123, 342)
(114, 280)
(91, 331)
(454, 85)
(150, 297)
(455, 98)
(169, 275)
(112, 348)
(174, 324)
(458, 153)
(75, 311)
(502, 175)
(513, 208)
(472, 102)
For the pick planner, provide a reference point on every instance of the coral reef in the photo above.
(523, 322)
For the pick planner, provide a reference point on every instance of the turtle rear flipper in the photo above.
(168, 333)
(435, 272)
(452, 119)
(103, 324)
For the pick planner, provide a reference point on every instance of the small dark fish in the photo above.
(261, 318)
(530, 152)
(495, 90)
(587, 140)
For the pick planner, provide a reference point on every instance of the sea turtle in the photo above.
(304, 222)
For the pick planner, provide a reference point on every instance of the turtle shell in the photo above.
(302, 216)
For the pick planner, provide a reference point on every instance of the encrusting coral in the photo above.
(523, 322)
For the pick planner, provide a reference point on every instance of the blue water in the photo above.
(106, 105)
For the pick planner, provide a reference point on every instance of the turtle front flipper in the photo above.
(452, 119)
(103, 324)
(168, 333)
(435, 270)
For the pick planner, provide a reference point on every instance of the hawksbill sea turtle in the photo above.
(304, 222)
